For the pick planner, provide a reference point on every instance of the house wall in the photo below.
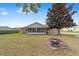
(52, 31)
(77, 29)
(23, 30)
(71, 29)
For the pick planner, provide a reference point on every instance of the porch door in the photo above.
(39, 30)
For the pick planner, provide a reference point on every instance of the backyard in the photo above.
(24, 45)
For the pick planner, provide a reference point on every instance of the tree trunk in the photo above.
(58, 31)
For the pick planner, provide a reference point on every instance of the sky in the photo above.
(11, 16)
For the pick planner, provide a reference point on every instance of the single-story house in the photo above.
(37, 28)
(71, 29)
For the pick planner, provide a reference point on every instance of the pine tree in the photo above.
(60, 16)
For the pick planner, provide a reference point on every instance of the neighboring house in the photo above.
(71, 29)
(37, 28)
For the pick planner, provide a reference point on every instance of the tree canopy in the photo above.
(29, 7)
(60, 16)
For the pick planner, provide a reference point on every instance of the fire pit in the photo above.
(56, 43)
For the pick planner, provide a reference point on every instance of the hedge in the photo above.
(8, 31)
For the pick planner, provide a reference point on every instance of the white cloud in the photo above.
(2, 9)
(4, 13)
(19, 11)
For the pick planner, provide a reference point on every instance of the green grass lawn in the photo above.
(34, 45)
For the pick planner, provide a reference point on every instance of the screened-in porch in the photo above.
(36, 30)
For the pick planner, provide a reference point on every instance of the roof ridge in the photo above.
(36, 24)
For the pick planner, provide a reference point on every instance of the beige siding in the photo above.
(23, 30)
(52, 31)
(71, 29)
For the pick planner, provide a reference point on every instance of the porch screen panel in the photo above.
(33, 29)
(43, 29)
(29, 29)
(39, 30)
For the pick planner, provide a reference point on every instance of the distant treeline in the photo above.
(8, 31)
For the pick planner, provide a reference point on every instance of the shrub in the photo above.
(8, 31)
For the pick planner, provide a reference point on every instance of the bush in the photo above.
(8, 31)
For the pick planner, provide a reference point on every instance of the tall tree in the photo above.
(29, 7)
(60, 16)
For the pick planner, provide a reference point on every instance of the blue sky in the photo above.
(12, 17)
